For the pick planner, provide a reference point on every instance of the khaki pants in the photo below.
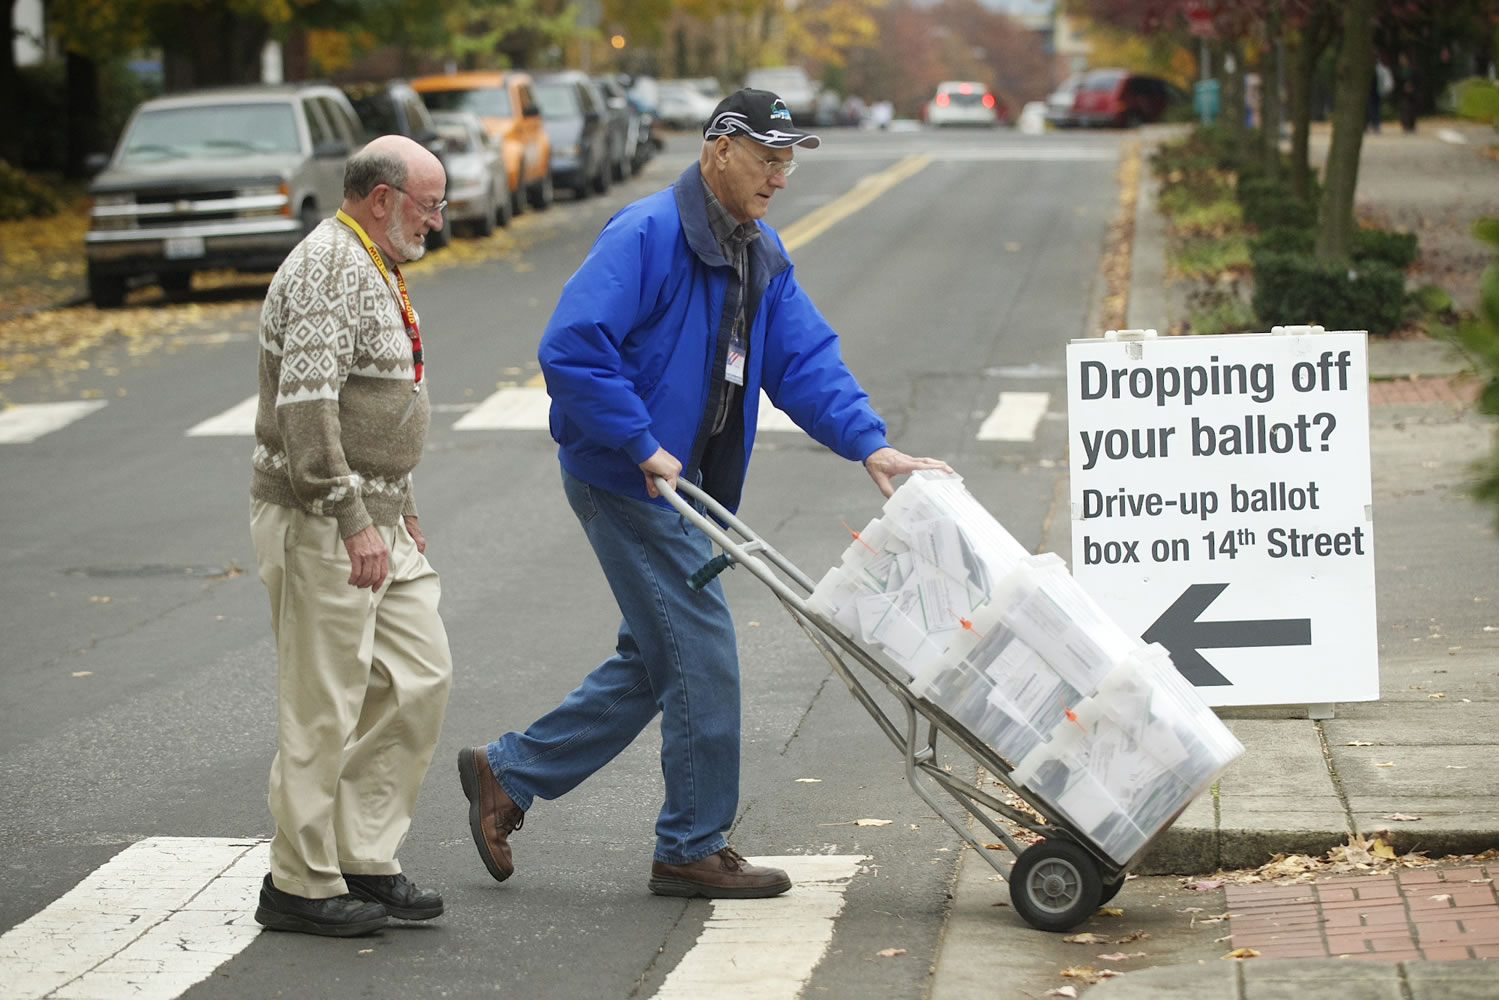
(361, 688)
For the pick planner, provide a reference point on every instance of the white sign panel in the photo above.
(1221, 506)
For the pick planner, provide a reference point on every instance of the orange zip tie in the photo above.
(861, 541)
(967, 625)
(1071, 715)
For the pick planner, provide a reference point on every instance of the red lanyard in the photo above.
(408, 315)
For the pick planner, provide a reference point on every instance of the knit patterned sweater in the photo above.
(339, 427)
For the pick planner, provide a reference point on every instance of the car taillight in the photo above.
(942, 100)
(988, 100)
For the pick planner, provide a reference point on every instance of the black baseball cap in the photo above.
(760, 115)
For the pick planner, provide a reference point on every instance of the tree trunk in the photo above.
(1305, 54)
(82, 126)
(1270, 74)
(11, 138)
(1355, 75)
(1231, 87)
(210, 46)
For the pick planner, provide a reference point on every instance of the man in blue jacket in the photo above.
(683, 311)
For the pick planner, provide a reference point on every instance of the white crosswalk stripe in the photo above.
(163, 914)
(767, 949)
(1015, 417)
(155, 919)
(238, 419)
(513, 408)
(23, 422)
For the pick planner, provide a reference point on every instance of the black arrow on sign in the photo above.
(1183, 635)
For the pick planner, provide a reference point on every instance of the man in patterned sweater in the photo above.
(363, 661)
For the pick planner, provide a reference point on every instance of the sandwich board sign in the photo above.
(1221, 506)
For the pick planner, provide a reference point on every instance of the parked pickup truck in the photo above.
(226, 178)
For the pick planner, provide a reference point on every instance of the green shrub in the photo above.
(1269, 203)
(1394, 249)
(1293, 289)
(1381, 245)
(23, 196)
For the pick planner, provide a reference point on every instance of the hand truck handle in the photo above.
(709, 570)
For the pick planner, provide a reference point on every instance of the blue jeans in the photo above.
(675, 655)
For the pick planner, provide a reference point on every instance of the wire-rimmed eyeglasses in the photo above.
(773, 166)
(426, 210)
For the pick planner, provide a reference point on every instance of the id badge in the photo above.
(733, 369)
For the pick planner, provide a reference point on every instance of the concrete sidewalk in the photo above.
(1413, 767)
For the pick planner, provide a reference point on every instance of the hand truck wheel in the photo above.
(1055, 885)
(1111, 889)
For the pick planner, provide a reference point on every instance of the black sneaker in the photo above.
(336, 916)
(398, 894)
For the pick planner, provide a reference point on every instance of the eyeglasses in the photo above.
(772, 166)
(426, 210)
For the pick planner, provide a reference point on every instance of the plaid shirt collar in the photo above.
(732, 236)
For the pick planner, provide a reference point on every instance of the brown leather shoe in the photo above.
(725, 875)
(492, 816)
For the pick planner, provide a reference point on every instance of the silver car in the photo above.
(478, 189)
(225, 178)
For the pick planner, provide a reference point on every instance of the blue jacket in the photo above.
(628, 351)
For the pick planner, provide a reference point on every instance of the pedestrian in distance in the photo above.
(684, 310)
(363, 667)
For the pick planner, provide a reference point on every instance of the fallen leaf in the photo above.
(809, 781)
(1382, 850)
(1078, 972)
(1444, 897)
(1402, 817)
(1243, 953)
(1205, 885)
(83, 673)
(1134, 936)
(995, 847)
(366, 951)
(1384, 763)
(890, 952)
(99, 598)
(872, 822)
(1358, 743)
(1108, 973)
(1119, 956)
(1110, 911)
(1062, 991)
(1087, 937)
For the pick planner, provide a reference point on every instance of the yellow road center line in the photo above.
(815, 223)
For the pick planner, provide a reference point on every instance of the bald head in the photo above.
(393, 188)
(386, 159)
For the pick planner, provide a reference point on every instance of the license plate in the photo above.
(183, 247)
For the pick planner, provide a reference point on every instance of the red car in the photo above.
(1118, 97)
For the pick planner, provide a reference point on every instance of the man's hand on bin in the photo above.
(886, 462)
(662, 464)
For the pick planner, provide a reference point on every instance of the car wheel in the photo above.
(175, 282)
(621, 171)
(542, 193)
(106, 291)
(505, 210)
(484, 224)
(439, 238)
(601, 179)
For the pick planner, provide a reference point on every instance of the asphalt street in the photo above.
(136, 664)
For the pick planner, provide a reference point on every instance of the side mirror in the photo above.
(95, 162)
(330, 150)
(531, 111)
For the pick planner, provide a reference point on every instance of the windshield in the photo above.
(491, 101)
(557, 100)
(1101, 81)
(211, 130)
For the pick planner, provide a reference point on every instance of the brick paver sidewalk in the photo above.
(1431, 389)
(1430, 913)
